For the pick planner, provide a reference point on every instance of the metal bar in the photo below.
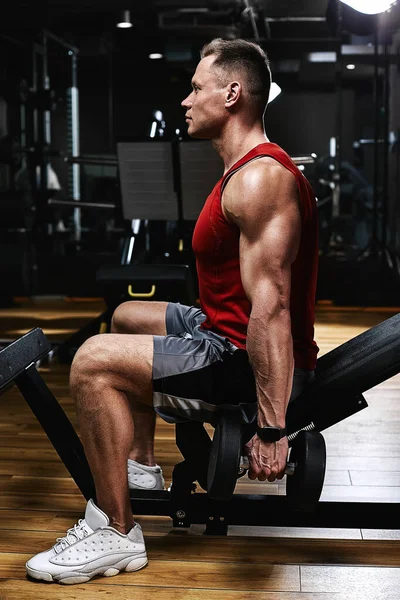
(338, 123)
(20, 354)
(35, 126)
(12, 40)
(304, 160)
(82, 160)
(78, 204)
(73, 122)
(366, 142)
(60, 41)
(295, 19)
(250, 10)
(265, 510)
(111, 127)
(374, 239)
(46, 121)
(300, 40)
(57, 427)
(88, 160)
(385, 190)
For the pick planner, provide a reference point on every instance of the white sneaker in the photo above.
(90, 548)
(142, 477)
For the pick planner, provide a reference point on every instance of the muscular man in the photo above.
(252, 341)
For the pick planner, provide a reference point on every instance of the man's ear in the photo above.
(233, 93)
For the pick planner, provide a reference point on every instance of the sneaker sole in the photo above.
(72, 578)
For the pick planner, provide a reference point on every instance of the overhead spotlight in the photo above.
(124, 19)
(155, 55)
(350, 67)
(370, 7)
(274, 92)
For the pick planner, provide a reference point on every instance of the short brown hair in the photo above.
(232, 55)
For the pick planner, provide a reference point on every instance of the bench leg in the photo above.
(57, 427)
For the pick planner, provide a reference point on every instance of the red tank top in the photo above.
(216, 246)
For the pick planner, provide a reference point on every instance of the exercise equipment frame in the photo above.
(18, 364)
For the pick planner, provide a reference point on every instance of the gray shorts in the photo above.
(196, 371)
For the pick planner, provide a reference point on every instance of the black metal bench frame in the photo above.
(315, 409)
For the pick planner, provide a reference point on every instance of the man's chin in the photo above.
(199, 135)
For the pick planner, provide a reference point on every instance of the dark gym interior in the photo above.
(100, 190)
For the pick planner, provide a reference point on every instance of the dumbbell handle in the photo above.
(244, 465)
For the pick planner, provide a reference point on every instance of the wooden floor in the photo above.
(39, 501)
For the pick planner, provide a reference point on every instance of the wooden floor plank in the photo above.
(173, 546)
(372, 581)
(376, 479)
(44, 485)
(370, 464)
(39, 520)
(297, 532)
(11, 589)
(58, 502)
(180, 573)
(360, 493)
(380, 534)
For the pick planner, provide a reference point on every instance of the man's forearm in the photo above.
(270, 350)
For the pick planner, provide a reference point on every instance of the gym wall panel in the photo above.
(147, 186)
(303, 121)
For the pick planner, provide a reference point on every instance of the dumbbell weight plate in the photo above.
(224, 460)
(304, 487)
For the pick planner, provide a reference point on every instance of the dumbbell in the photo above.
(306, 471)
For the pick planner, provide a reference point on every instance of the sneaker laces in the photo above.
(76, 533)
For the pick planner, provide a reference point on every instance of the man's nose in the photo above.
(186, 103)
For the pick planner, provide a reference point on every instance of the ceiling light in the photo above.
(155, 55)
(350, 67)
(370, 7)
(124, 19)
(274, 92)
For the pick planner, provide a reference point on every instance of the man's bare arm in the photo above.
(262, 199)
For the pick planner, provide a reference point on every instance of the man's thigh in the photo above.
(123, 362)
(140, 318)
(155, 318)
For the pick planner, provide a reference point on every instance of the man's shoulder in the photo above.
(264, 169)
(259, 184)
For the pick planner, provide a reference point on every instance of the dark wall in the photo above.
(304, 121)
(141, 87)
(93, 85)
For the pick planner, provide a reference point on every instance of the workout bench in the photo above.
(341, 378)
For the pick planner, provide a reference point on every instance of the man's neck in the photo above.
(236, 141)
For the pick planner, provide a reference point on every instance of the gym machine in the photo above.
(341, 378)
(28, 227)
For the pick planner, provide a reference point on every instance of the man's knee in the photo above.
(123, 318)
(140, 317)
(90, 363)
